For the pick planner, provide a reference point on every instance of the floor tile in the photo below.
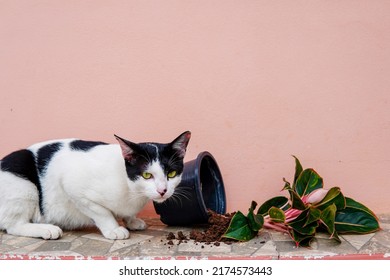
(357, 241)
(152, 243)
(268, 249)
(54, 246)
(94, 247)
(192, 246)
(134, 239)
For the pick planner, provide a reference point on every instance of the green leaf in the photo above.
(253, 205)
(296, 201)
(300, 239)
(302, 228)
(328, 216)
(356, 218)
(276, 215)
(298, 171)
(255, 222)
(278, 201)
(300, 224)
(334, 196)
(287, 185)
(239, 228)
(307, 182)
(313, 215)
(357, 205)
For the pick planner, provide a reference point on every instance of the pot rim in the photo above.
(199, 187)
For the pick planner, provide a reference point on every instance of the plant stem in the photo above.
(291, 213)
(290, 220)
(276, 226)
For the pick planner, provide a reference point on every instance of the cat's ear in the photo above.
(181, 142)
(128, 148)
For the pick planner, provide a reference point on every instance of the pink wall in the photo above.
(255, 81)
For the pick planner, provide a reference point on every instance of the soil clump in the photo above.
(216, 227)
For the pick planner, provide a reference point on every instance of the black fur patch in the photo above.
(22, 164)
(80, 145)
(44, 156)
(170, 160)
(141, 157)
(147, 152)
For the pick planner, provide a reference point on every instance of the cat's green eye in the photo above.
(146, 175)
(172, 174)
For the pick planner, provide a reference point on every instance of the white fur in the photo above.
(80, 189)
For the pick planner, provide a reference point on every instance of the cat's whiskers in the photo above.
(176, 200)
(181, 194)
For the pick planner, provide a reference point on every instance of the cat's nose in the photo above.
(162, 192)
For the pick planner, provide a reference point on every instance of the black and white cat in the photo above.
(73, 183)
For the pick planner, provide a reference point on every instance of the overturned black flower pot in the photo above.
(201, 188)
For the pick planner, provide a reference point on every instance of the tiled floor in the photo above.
(153, 244)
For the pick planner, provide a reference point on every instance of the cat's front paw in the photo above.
(136, 224)
(117, 233)
(51, 232)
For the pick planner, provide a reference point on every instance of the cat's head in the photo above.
(155, 168)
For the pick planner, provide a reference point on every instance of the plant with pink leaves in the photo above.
(308, 209)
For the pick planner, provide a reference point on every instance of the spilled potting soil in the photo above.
(212, 234)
